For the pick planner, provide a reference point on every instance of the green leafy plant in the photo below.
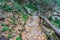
(18, 38)
(55, 21)
(5, 28)
(24, 17)
(6, 7)
(2, 24)
(10, 36)
(3, 0)
(33, 7)
(17, 6)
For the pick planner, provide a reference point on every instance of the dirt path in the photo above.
(33, 30)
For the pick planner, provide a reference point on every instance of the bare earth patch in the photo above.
(33, 30)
